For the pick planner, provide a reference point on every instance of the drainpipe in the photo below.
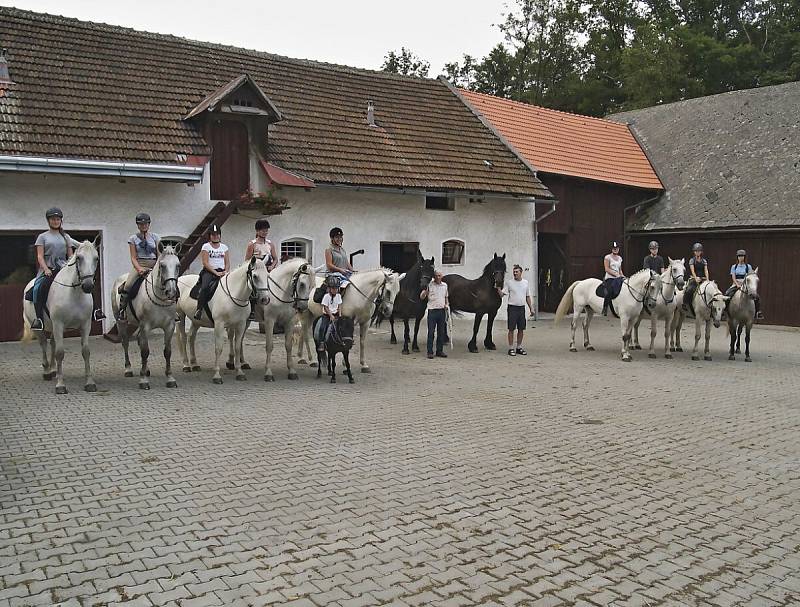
(535, 267)
(635, 207)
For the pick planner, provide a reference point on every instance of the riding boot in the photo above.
(38, 305)
(605, 306)
(123, 305)
(759, 313)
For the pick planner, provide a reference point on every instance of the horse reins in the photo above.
(673, 283)
(74, 262)
(253, 289)
(644, 291)
(293, 284)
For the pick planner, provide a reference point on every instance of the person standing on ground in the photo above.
(438, 301)
(519, 294)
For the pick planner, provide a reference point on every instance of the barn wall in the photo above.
(772, 252)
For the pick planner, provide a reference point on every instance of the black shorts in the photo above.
(516, 318)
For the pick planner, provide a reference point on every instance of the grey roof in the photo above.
(728, 160)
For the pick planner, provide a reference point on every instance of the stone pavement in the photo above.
(547, 480)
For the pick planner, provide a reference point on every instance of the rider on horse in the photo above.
(739, 271)
(698, 268)
(336, 261)
(612, 263)
(53, 248)
(216, 263)
(143, 248)
(653, 262)
(330, 306)
(262, 247)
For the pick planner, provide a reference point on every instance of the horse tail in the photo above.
(566, 303)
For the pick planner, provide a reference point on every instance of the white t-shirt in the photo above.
(333, 303)
(615, 263)
(216, 257)
(517, 291)
(437, 295)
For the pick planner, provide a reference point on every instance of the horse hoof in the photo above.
(738, 351)
(128, 373)
(405, 352)
(668, 356)
(490, 346)
(626, 359)
(172, 384)
(366, 370)
(187, 369)
(269, 378)
(216, 380)
(748, 360)
(679, 349)
(302, 361)
(241, 377)
(246, 366)
(651, 356)
(90, 387)
(731, 357)
(293, 376)
(695, 358)
(195, 367)
(313, 365)
(48, 376)
(144, 386)
(706, 358)
(672, 349)
(393, 341)
(351, 381)
(573, 349)
(473, 348)
(637, 347)
(61, 390)
(230, 366)
(415, 348)
(589, 349)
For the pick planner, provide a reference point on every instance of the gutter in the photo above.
(99, 168)
(424, 192)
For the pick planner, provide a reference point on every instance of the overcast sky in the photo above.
(350, 32)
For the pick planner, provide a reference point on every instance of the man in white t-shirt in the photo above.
(438, 301)
(519, 294)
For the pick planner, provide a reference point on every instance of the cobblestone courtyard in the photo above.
(551, 479)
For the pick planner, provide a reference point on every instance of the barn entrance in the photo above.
(17, 267)
(553, 270)
(399, 256)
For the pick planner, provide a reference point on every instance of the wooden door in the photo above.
(230, 160)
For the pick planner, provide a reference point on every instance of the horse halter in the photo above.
(674, 283)
(254, 290)
(293, 284)
(645, 292)
(81, 277)
(152, 294)
(745, 288)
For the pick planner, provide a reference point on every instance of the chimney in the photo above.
(371, 113)
(4, 76)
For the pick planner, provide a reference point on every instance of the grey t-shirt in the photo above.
(147, 247)
(55, 249)
(338, 256)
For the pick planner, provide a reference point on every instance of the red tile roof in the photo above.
(278, 176)
(568, 144)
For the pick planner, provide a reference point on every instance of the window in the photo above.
(440, 202)
(295, 247)
(453, 252)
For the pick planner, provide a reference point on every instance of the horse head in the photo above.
(652, 288)
(391, 288)
(496, 269)
(169, 268)
(750, 284)
(345, 329)
(714, 300)
(258, 277)
(677, 270)
(304, 281)
(426, 270)
(86, 261)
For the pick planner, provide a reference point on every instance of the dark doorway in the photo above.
(399, 256)
(17, 267)
(553, 270)
(230, 160)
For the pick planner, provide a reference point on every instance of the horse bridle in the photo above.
(379, 298)
(646, 288)
(745, 289)
(674, 283)
(254, 290)
(708, 303)
(81, 278)
(153, 296)
(293, 284)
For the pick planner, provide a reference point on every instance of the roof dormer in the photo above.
(240, 96)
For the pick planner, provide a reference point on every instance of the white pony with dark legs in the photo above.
(369, 292)
(69, 306)
(741, 314)
(230, 309)
(152, 308)
(709, 304)
(638, 290)
(671, 283)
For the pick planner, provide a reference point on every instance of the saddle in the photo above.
(210, 290)
(616, 288)
(40, 290)
(319, 293)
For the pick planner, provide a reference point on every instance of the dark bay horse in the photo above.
(408, 305)
(479, 296)
(339, 340)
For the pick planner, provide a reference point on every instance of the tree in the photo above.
(406, 63)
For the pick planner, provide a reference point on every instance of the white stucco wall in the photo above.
(367, 218)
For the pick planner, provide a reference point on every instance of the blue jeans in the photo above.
(437, 323)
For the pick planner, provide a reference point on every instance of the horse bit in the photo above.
(253, 289)
(295, 280)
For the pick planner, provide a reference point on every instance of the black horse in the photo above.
(408, 304)
(479, 296)
(339, 340)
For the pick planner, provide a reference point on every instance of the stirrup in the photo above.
(37, 325)
(98, 315)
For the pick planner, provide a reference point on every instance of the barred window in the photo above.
(453, 252)
(296, 247)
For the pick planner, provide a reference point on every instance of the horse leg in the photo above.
(219, 346)
(587, 320)
(739, 338)
(332, 366)
(52, 371)
(697, 334)
(289, 358)
(169, 331)
(89, 384)
(144, 348)
(269, 323)
(58, 337)
(667, 335)
(238, 342)
(625, 325)
(706, 352)
(192, 343)
(181, 328)
(346, 356)
(635, 342)
(406, 336)
(488, 343)
(362, 344)
(476, 325)
(125, 338)
(653, 333)
(393, 338)
(732, 335)
(231, 364)
(747, 358)
(414, 344)
(46, 370)
(573, 327)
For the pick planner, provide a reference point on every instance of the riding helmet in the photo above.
(653, 245)
(215, 229)
(336, 232)
(54, 212)
(615, 245)
(143, 218)
(262, 224)
(697, 247)
(333, 281)
(741, 252)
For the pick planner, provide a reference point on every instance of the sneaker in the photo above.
(441, 355)
(521, 351)
(37, 325)
(512, 352)
(430, 354)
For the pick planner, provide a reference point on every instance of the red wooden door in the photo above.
(230, 160)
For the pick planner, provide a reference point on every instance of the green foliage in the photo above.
(406, 63)
(268, 203)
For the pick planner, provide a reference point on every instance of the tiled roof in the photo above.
(87, 90)
(568, 144)
(728, 160)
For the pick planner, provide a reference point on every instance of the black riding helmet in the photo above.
(215, 229)
(615, 245)
(54, 212)
(142, 218)
(697, 247)
(262, 224)
(336, 232)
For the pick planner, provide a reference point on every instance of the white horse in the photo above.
(152, 308)
(671, 282)
(69, 306)
(638, 290)
(709, 304)
(741, 313)
(230, 309)
(370, 292)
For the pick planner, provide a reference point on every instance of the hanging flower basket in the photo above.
(269, 203)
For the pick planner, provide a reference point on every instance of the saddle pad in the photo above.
(616, 288)
(212, 288)
(319, 293)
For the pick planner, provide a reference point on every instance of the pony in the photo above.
(639, 290)
(741, 313)
(408, 303)
(230, 309)
(672, 281)
(480, 296)
(69, 305)
(367, 299)
(153, 307)
(339, 340)
(709, 305)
